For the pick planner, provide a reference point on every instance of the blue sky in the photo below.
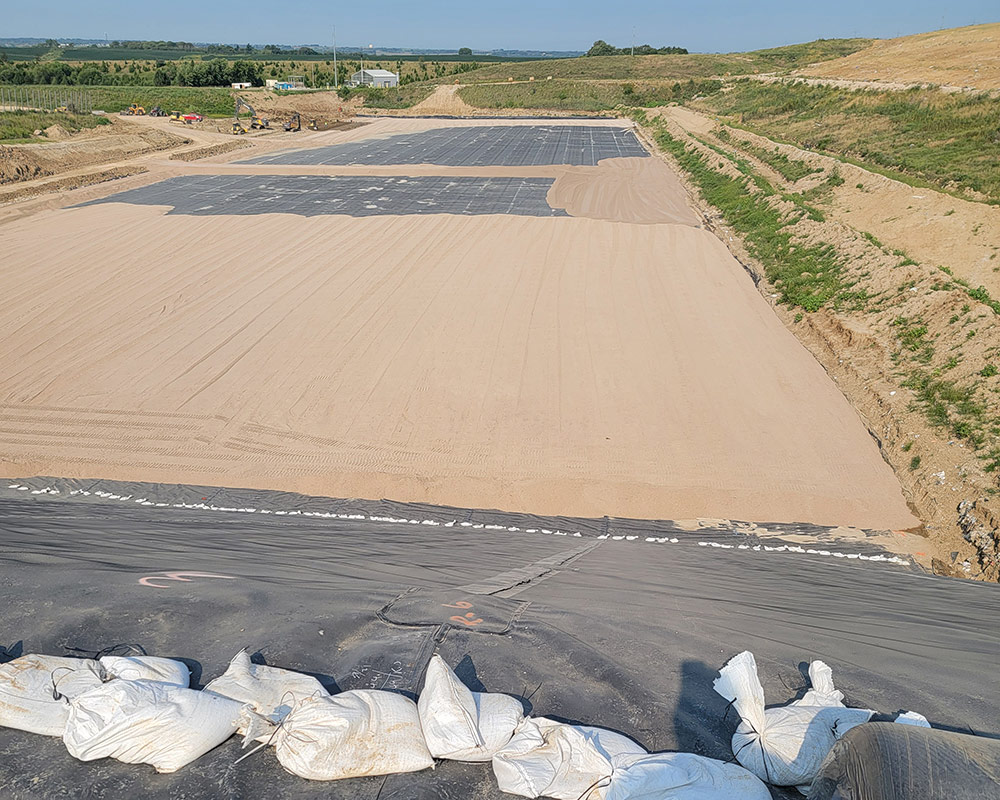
(707, 26)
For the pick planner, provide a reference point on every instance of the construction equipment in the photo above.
(63, 109)
(156, 111)
(295, 123)
(257, 122)
(134, 110)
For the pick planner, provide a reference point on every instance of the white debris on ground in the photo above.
(140, 710)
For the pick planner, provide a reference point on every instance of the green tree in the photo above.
(465, 51)
(601, 48)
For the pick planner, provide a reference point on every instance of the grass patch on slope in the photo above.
(563, 95)
(396, 97)
(808, 276)
(950, 141)
(20, 126)
(789, 169)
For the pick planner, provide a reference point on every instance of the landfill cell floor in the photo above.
(356, 196)
(624, 634)
(480, 146)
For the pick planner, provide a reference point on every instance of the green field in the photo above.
(946, 140)
(20, 126)
(23, 53)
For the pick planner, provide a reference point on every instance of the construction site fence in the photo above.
(45, 98)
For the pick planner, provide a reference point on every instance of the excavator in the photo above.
(257, 122)
(295, 123)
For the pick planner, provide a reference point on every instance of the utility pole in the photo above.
(334, 56)
(633, 41)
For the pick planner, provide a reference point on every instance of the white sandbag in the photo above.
(786, 745)
(822, 691)
(682, 776)
(35, 691)
(145, 722)
(352, 734)
(460, 724)
(270, 691)
(148, 668)
(546, 758)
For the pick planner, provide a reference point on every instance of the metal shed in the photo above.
(379, 78)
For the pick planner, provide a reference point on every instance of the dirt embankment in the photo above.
(959, 57)
(21, 192)
(326, 106)
(445, 100)
(211, 150)
(107, 143)
(915, 355)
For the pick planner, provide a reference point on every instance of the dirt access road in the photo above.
(613, 360)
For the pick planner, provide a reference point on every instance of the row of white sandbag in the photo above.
(139, 710)
(786, 745)
(325, 738)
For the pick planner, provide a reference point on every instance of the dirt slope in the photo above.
(119, 141)
(963, 57)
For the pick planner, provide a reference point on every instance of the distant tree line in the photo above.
(602, 48)
(219, 49)
(214, 72)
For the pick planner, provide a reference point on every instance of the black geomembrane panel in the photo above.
(356, 196)
(495, 145)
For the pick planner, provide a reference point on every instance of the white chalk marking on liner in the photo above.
(785, 548)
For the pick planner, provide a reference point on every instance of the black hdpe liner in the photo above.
(624, 634)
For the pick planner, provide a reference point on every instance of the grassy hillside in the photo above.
(947, 140)
(563, 95)
(956, 57)
(672, 67)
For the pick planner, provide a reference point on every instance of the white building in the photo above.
(242, 85)
(379, 78)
